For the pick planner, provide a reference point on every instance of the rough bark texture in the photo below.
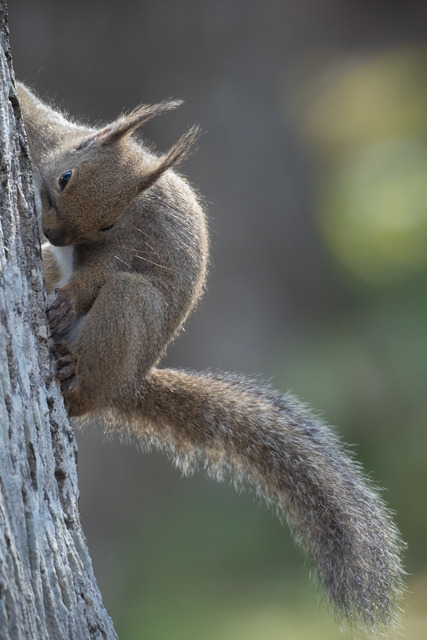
(47, 586)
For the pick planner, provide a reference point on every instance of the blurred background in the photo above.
(313, 167)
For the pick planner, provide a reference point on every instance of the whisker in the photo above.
(124, 262)
(149, 245)
(123, 246)
(184, 222)
(162, 266)
(144, 241)
(140, 230)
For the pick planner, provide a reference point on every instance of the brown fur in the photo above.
(124, 294)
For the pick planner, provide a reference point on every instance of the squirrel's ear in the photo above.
(124, 125)
(176, 154)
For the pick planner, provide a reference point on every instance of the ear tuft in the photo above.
(124, 125)
(176, 154)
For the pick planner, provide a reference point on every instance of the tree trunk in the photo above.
(47, 586)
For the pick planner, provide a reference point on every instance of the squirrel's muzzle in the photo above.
(57, 236)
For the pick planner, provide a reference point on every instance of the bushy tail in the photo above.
(231, 426)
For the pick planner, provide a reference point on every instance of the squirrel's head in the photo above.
(86, 188)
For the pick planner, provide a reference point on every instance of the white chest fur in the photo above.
(58, 263)
(65, 259)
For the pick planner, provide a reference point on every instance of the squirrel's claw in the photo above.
(66, 368)
(67, 365)
(70, 385)
(62, 311)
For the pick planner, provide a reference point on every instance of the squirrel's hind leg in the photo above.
(117, 342)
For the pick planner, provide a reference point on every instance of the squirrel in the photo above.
(125, 263)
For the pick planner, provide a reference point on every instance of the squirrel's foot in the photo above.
(67, 366)
(62, 311)
(66, 369)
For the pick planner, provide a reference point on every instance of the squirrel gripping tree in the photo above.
(125, 263)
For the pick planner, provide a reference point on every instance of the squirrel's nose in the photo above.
(56, 236)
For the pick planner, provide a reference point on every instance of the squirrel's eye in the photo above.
(110, 226)
(64, 179)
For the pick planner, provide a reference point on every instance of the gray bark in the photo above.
(47, 586)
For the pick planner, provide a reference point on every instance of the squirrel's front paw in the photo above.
(66, 369)
(62, 312)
